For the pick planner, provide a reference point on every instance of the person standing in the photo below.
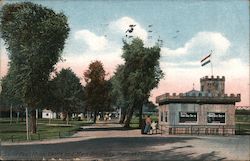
(143, 124)
(148, 124)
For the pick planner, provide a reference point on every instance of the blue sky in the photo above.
(189, 30)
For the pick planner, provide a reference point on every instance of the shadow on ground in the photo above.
(115, 148)
(108, 129)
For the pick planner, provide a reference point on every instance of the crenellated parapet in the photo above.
(198, 97)
(213, 78)
(212, 91)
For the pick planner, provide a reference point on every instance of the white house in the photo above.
(48, 114)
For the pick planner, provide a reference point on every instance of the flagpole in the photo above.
(212, 63)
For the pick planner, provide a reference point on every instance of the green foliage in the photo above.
(140, 74)
(35, 37)
(66, 92)
(98, 95)
(7, 97)
(242, 118)
(151, 107)
(119, 89)
(242, 112)
(141, 68)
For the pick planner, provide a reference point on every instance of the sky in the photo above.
(189, 31)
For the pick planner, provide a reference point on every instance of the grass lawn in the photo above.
(242, 124)
(56, 129)
(242, 118)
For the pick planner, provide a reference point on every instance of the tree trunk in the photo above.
(95, 113)
(17, 118)
(11, 114)
(67, 118)
(122, 118)
(123, 115)
(129, 117)
(21, 116)
(33, 121)
(64, 116)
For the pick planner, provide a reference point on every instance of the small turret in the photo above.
(213, 85)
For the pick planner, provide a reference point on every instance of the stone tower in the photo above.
(213, 85)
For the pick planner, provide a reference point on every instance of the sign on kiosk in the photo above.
(215, 117)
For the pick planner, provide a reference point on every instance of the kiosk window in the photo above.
(161, 116)
(166, 116)
(187, 117)
(213, 117)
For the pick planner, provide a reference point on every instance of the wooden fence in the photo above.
(198, 129)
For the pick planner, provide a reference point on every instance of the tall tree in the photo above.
(142, 72)
(66, 93)
(35, 37)
(97, 88)
(7, 98)
(119, 91)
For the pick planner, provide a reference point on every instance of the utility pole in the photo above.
(249, 78)
(17, 118)
(212, 71)
(36, 116)
(27, 123)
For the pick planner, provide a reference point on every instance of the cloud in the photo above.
(234, 67)
(200, 44)
(182, 66)
(122, 25)
(79, 63)
(104, 48)
(107, 49)
(94, 42)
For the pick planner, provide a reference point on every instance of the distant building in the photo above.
(48, 114)
(208, 111)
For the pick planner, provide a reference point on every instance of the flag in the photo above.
(205, 60)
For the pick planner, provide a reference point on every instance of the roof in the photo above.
(194, 92)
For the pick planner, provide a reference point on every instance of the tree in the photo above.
(66, 93)
(8, 98)
(97, 88)
(35, 37)
(119, 91)
(142, 72)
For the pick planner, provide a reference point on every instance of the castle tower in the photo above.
(213, 85)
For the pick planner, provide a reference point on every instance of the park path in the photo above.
(107, 129)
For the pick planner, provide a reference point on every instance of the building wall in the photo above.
(213, 85)
(48, 114)
(202, 111)
(173, 126)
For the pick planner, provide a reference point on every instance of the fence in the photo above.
(198, 129)
(38, 136)
(242, 129)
